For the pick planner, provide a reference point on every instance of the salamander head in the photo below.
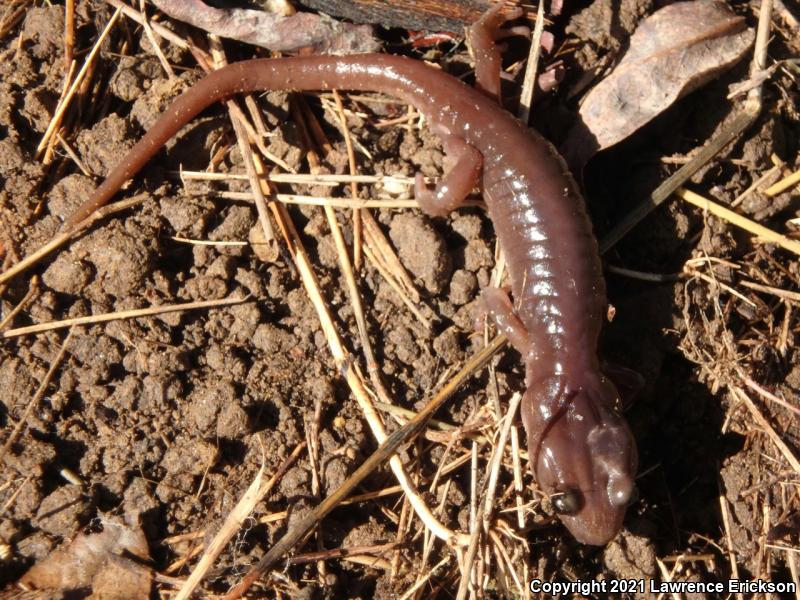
(586, 461)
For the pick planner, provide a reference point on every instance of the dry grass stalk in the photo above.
(330, 179)
(69, 33)
(351, 161)
(726, 523)
(763, 234)
(134, 15)
(383, 270)
(233, 522)
(767, 176)
(12, 15)
(320, 200)
(377, 242)
(784, 184)
(79, 78)
(124, 314)
(237, 120)
(154, 42)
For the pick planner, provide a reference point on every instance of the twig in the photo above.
(148, 30)
(387, 449)
(726, 522)
(331, 179)
(768, 289)
(125, 314)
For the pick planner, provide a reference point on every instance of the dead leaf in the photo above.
(96, 561)
(673, 52)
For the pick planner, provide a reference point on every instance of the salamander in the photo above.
(581, 450)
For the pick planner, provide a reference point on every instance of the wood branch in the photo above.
(419, 15)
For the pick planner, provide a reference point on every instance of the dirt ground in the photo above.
(164, 421)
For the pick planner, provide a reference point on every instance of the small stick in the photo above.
(768, 289)
(769, 396)
(34, 401)
(497, 457)
(125, 314)
(381, 245)
(336, 553)
(381, 268)
(476, 517)
(387, 449)
(771, 172)
(425, 578)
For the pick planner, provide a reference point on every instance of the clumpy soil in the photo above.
(167, 419)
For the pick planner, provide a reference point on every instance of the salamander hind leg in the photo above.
(497, 306)
(463, 170)
(482, 37)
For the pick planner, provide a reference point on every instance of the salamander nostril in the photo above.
(567, 502)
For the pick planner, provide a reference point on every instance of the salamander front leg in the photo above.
(462, 172)
(482, 37)
(497, 306)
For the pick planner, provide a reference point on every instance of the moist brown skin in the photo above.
(581, 449)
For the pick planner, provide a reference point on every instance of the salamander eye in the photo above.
(567, 502)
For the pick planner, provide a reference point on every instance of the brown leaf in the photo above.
(293, 33)
(673, 52)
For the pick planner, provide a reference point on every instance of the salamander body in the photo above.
(582, 452)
